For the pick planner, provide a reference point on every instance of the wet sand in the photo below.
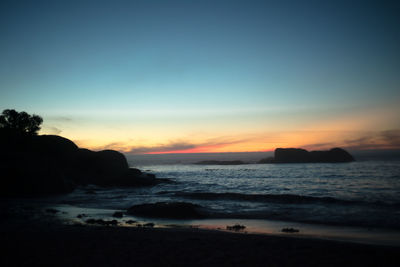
(31, 237)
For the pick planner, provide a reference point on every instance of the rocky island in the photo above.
(298, 155)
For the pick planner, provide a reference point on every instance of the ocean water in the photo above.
(363, 194)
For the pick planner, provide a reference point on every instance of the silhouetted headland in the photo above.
(48, 164)
(298, 155)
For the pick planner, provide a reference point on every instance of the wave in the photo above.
(271, 198)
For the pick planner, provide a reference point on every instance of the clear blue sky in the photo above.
(195, 64)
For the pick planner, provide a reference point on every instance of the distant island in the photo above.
(298, 155)
(220, 162)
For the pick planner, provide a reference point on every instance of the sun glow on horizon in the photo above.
(311, 140)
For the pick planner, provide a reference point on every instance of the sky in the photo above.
(205, 76)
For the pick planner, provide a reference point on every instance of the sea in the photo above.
(318, 198)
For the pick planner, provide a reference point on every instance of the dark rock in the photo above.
(118, 214)
(236, 227)
(99, 168)
(35, 165)
(151, 176)
(80, 216)
(290, 230)
(54, 211)
(177, 210)
(333, 155)
(298, 155)
(134, 171)
(91, 221)
(102, 222)
(291, 155)
(49, 164)
(52, 144)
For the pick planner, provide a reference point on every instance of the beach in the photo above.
(34, 236)
(199, 133)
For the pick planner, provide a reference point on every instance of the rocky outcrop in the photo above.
(48, 164)
(298, 155)
(100, 168)
(32, 165)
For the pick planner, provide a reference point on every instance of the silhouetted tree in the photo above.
(20, 122)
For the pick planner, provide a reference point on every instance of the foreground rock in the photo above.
(173, 210)
(298, 155)
(33, 165)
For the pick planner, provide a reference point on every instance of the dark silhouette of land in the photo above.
(32, 164)
(298, 155)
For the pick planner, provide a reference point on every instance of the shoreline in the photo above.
(350, 234)
(44, 211)
(45, 240)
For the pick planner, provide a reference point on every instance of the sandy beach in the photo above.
(32, 236)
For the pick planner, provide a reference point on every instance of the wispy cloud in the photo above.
(378, 140)
(186, 146)
(172, 146)
(120, 146)
(389, 139)
(51, 130)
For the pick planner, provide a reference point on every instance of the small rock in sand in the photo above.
(236, 227)
(290, 230)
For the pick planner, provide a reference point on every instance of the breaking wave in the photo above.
(271, 198)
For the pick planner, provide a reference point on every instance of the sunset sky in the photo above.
(205, 76)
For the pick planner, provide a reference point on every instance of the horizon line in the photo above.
(264, 151)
